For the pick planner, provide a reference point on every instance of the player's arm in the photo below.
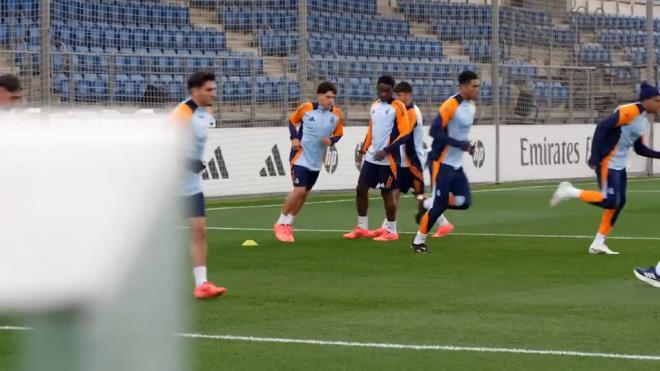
(418, 139)
(439, 125)
(295, 121)
(295, 125)
(643, 150)
(367, 139)
(403, 126)
(182, 117)
(339, 129)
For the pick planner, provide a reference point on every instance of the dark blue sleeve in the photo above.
(438, 133)
(642, 150)
(334, 140)
(294, 133)
(598, 151)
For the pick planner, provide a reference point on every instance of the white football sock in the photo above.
(384, 223)
(391, 226)
(290, 218)
(200, 275)
(599, 239)
(419, 238)
(657, 269)
(442, 221)
(363, 222)
(428, 203)
(574, 192)
(283, 219)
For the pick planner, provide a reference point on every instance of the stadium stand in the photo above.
(119, 51)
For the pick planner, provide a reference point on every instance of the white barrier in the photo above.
(550, 152)
(256, 160)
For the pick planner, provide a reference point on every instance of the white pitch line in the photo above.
(451, 348)
(14, 328)
(545, 186)
(476, 234)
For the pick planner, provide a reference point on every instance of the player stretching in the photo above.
(410, 172)
(450, 131)
(387, 130)
(612, 140)
(650, 275)
(313, 127)
(193, 116)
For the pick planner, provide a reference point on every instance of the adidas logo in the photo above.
(216, 167)
(273, 162)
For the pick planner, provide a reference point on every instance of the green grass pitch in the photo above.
(516, 274)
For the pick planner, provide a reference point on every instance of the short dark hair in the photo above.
(403, 87)
(466, 77)
(387, 80)
(325, 87)
(11, 83)
(198, 79)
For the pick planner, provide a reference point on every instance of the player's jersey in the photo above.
(311, 123)
(388, 127)
(197, 121)
(456, 115)
(413, 149)
(629, 135)
(616, 134)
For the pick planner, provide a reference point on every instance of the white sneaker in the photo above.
(562, 193)
(601, 248)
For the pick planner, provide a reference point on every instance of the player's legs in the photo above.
(623, 190)
(405, 183)
(460, 197)
(444, 226)
(417, 185)
(292, 204)
(198, 248)
(303, 181)
(613, 202)
(566, 190)
(368, 179)
(444, 179)
(295, 201)
(388, 184)
(391, 206)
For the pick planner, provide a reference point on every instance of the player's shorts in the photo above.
(377, 176)
(452, 189)
(303, 177)
(613, 185)
(407, 180)
(194, 206)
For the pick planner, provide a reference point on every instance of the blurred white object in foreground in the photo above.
(88, 244)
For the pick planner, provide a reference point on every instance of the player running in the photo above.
(313, 127)
(388, 128)
(611, 143)
(413, 160)
(194, 118)
(650, 275)
(450, 131)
